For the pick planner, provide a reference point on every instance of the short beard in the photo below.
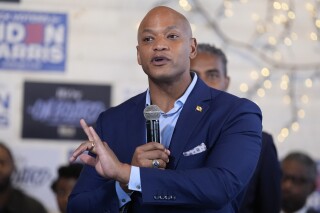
(5, 184)
(292, 206)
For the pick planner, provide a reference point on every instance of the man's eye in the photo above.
(213, 75)
(172, 36)
(147, 39)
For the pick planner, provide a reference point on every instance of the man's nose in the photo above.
(286, 184)
(160, 44)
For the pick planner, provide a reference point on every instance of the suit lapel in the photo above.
(135, 127)
(193, 111)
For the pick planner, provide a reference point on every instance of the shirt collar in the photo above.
(304, 209)
(183, 98)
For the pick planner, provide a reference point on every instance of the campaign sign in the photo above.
(4, 106)
(32, 41)
(35, 170)
(53, 110)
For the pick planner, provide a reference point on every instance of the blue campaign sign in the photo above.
(53, 110)
(33, 41)
(4, 107)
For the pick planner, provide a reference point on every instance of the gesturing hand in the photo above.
(106, 162)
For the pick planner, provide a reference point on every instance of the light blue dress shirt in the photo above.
(167, 123)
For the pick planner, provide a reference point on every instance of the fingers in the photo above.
(158, 164)
(85, 146)
(97, 141)
(87, 159)
(154, 151)
(151, 146)
(85, 128)
(146, 155)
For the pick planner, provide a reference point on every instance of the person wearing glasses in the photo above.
(298, 182)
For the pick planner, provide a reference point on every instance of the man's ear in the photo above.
(313, 187)
(227, 83)
(138, 55)
(193, 52)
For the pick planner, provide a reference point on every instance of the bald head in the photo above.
(165, 47)
(162, 14)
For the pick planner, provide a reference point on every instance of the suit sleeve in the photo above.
(93, 193)
(230, 162)
(269, 177)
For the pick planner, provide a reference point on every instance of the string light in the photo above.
(265, 72)
(267, 84)
(301, 113)
(254, 75)
(274, 34)
(304, 99)
(295, 126)
(244, 87)
(308, 82)
(261, 92)
(185, 5)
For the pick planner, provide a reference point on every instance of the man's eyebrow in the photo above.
(147, 30)
(172, 27)
(213, 70)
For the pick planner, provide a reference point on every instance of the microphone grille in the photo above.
(152, 112)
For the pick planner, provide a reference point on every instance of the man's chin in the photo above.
(5, 184)
(292, 205)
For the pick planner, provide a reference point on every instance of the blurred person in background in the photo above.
(13, 200)
(63, 185)
(298, 182)
(263, 193)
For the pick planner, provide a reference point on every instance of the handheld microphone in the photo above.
(152, 114)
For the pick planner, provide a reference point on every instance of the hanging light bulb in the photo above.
(308, 82)
(267, 84)
(291, 15)
(280, 138)
(318, 23)
(304, 99)
(284, 132)
(261, 92)
(254, 75)
(294, 36)
(284, 6)
(301, 113)
(309, 7)
(284, 85)
(265, 72)
(287, 41)
(276, 5)
(272, 40)
(295, 126)
(313, 36)
(244, 87)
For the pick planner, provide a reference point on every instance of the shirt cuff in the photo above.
(135, 181)
(123, 197)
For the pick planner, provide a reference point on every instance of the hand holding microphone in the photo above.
(152, 154)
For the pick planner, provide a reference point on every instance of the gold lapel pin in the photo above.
(199, 108)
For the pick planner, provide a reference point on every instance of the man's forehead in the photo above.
(164, 14)
(163, 11)
(150, 29)
(178, 26)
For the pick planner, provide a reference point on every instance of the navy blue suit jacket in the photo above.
(264, 190)
(213, 180)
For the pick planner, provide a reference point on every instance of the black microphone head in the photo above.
(152, 112)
